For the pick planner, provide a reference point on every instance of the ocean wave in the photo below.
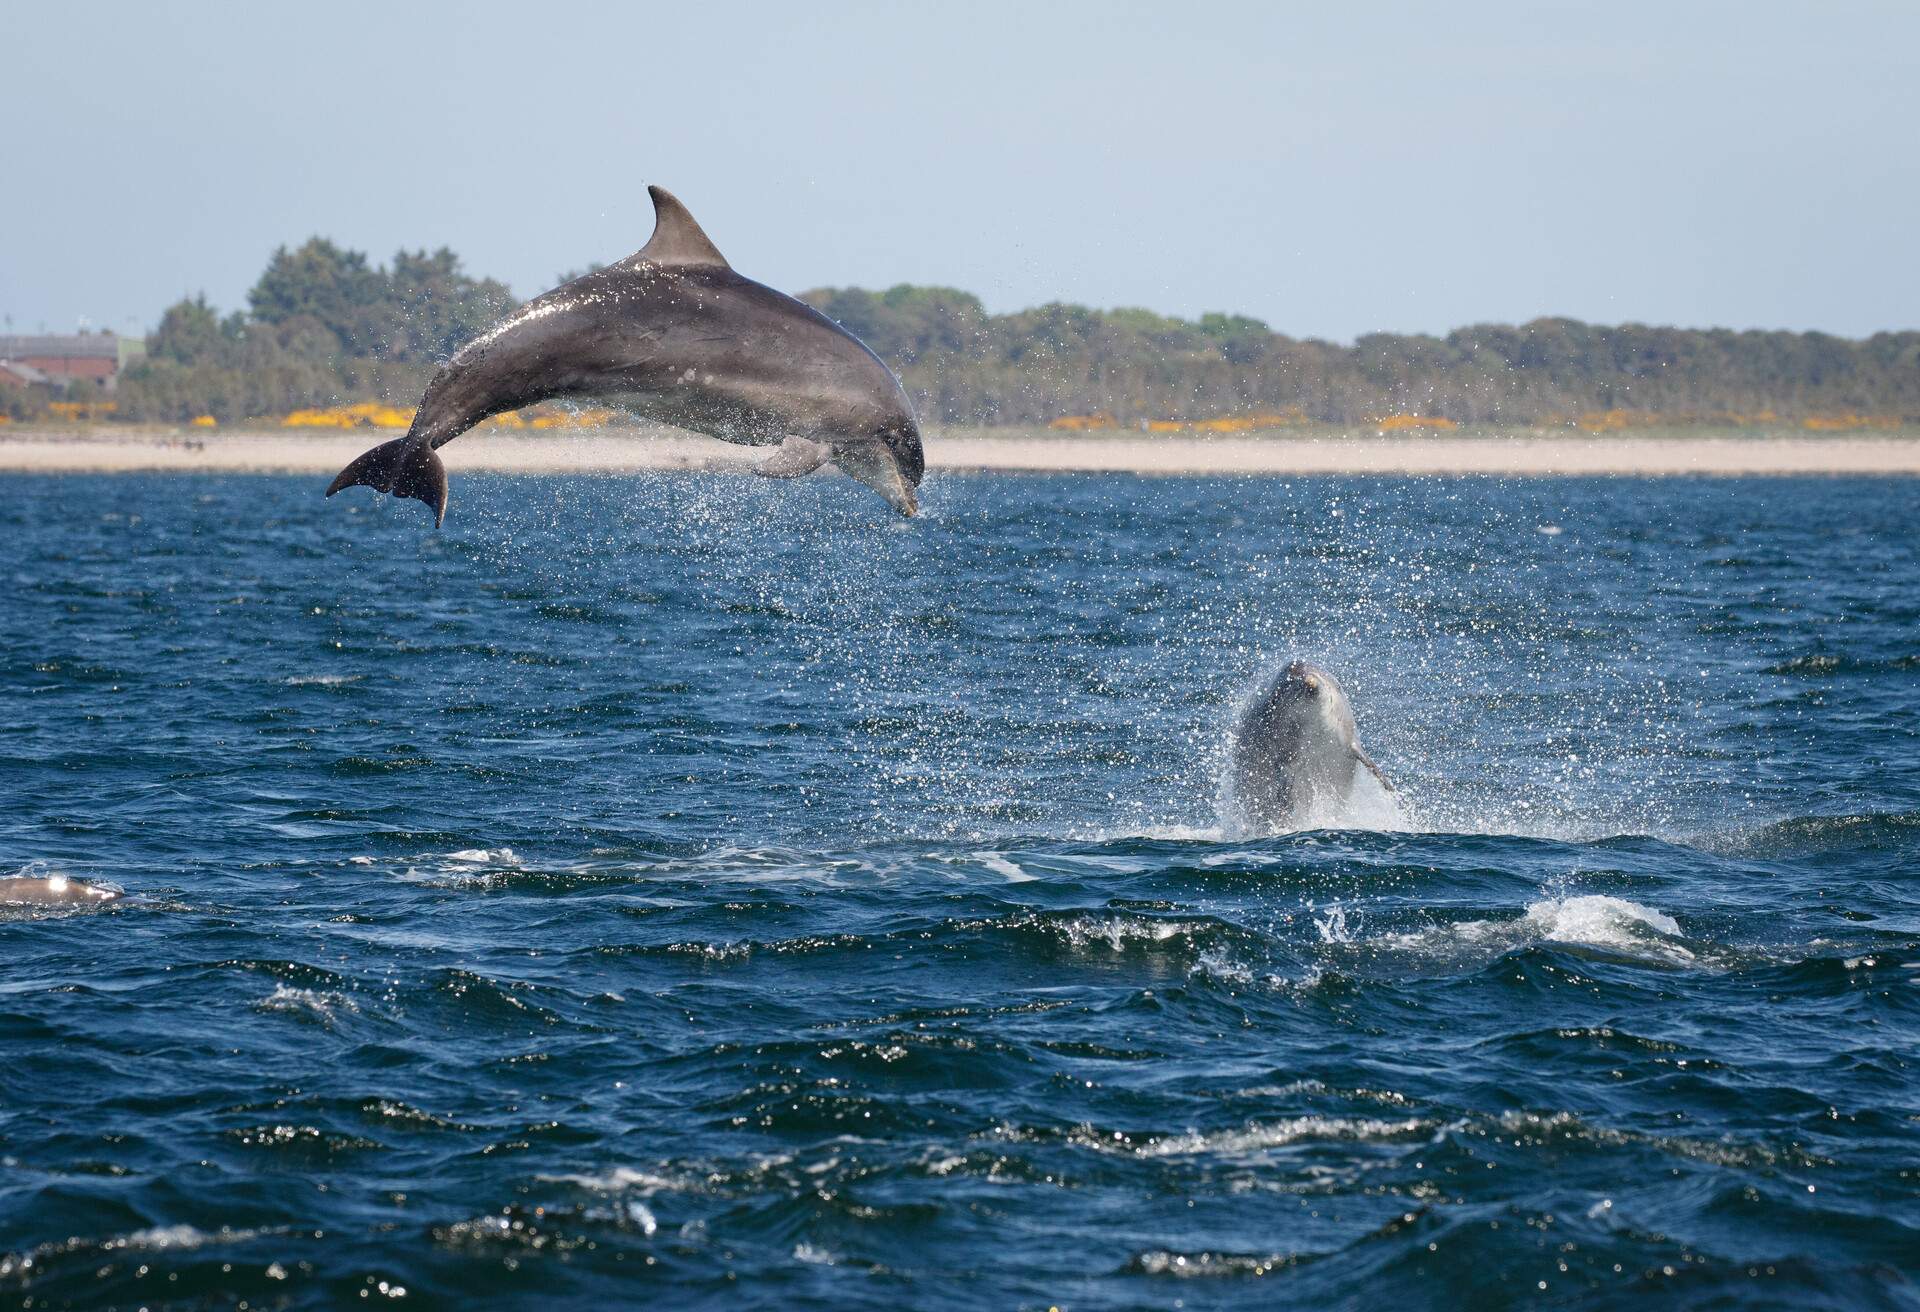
(1245, 1140)
(176, 1238)
(1202, 1265)
(1077, 933)
(317, 1004)
(1001, 865)
(1533, 1129)
(511, 1228)
(467, 867)
(502, 856)
(737, 950)
(1821, 664)
(1811, 835)
(1121, 933)
(1281, 1134)
(1593, 920)
(300, 1144)
(1229, 969)
(25, 1264)
(618, 1180)
(484, 1000)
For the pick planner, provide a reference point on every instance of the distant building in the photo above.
(62, 358)
(15, 374)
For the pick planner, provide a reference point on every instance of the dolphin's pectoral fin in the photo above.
(406, 467)
(1374, 770)
(796, 458)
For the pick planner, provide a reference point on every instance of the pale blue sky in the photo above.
(1332, 168)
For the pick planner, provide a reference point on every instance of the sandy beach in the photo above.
(1303, 452)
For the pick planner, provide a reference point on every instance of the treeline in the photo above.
(324, 325)
(964, 365)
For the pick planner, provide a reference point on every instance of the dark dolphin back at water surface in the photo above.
(23, 890)
(712, 894)
(671, 334)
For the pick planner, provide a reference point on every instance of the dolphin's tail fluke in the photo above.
(406, 467)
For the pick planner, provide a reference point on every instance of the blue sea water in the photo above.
(718, 893)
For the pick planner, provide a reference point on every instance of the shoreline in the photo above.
(1528, 453)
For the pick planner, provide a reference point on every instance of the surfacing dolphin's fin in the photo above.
(405, 467)
(677, 239)
(1367, 761)
(796, 458)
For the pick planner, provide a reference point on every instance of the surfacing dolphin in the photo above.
(51, 891)
(674, 335)
(1295, 752)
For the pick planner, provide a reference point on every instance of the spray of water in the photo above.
(1038, 657)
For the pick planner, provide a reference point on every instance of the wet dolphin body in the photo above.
(1295, 751)
(671, 334)
(51, 891)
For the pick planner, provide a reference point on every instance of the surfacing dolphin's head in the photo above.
(890, 462)
(1309, 685)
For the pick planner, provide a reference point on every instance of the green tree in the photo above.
(191, 332)
(433, 308)
(336, 288)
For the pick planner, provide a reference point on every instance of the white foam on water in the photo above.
(176, 1237)
(1223, 967)
(1162, 1262)
(1590, 919)
(502, 856)
(1368, 806)
(469, 867)
(941, 1163)
(1118, 932)
(1159, 833)
(615, 1180)
(318, 1003)
(322, 680)
(1280, 1134)
(1597, 919)
(1000, 865)
(1333, 926)
(1218, 965)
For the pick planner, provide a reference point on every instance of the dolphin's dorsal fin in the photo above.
(677, 239)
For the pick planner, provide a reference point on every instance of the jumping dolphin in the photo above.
(671, 334)
(1295, 752)
(51, 891)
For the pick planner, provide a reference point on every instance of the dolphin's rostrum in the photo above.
(671, 334)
